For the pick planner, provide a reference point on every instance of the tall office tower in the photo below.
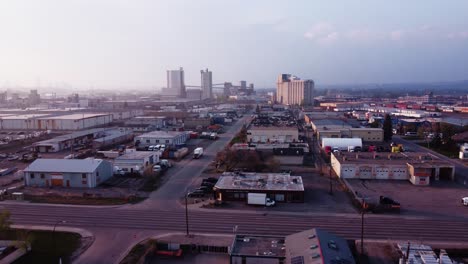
(175, 83)
(291, 90)
(206, 84)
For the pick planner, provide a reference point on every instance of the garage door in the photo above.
(56, 179)
(348, 172)
(381, 173)
(365, 172)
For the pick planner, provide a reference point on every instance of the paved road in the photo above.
(461, 171)
(186, 171)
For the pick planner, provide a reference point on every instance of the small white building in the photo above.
(86, 173)
(168, 138)
(136, 161)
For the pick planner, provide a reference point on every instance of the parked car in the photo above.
(196, 194)
(211, 179)
(207, 184)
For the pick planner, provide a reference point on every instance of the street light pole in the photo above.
(186, 215)
(53, 238)
(331, 183)
(362, 229)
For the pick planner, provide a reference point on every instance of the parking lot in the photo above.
(317, 194)
(440, 199)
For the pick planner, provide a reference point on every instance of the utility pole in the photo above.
(331, 183)
(186, 215)
(362, 228)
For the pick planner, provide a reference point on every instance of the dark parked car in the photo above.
(207, 184)
(211, 179)
(196, 193)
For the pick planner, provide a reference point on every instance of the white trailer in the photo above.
(197, 153)
(259, 199)
(342, 144)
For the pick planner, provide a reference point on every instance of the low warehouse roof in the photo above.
(64, 165)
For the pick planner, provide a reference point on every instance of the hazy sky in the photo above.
(105, 43)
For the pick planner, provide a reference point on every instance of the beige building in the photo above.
(291, 90)
(366, 134)
(418, 168)
(272, 134)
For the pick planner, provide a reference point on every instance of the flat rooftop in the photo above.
(162, 134)
(290, 128)
(77, 116)
(260, 181)
(265, 246)
(418, 159)
(136, 155)
(25, 116)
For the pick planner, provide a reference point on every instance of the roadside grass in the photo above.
(46, 246)
(83, 200)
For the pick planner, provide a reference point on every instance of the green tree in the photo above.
(387, 128)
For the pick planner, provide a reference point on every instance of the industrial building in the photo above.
(175, 84)
(168, 138)
(366, 134)
(418, 168)
(84, 137)
(314, 246)
(136, 161)
(206, 84)
(263, 134)
(291, 90)
(317, 246)
(44, 121)
(112, 137)
(86, 173)
(281, 187)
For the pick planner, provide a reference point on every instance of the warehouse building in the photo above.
(317, 246)
(168, 138)
(418, 168)
(136, 161)
(281, 187)
(48, 122)
(314, 246)
(86, 173)
(68, 141)
(73, 121)
(271, 134)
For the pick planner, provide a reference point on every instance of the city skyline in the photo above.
(53, 43)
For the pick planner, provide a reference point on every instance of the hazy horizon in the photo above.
(97, 44)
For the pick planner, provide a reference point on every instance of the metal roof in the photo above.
(64, 165)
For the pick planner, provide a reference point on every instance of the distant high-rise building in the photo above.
(227, 88)
(206, 84)
(3, 97)
(291, 90)
(243, 85)
(176, 83)
(34, 97)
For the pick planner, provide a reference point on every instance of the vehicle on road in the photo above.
(165, 162)
(198, 153)
(385, 204)
(259, 199)
(411, 134)
(157, 168)
(465, 201)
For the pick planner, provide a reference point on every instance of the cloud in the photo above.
(326, 33)
(322, 32)
(458, 35)
(397, 35)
